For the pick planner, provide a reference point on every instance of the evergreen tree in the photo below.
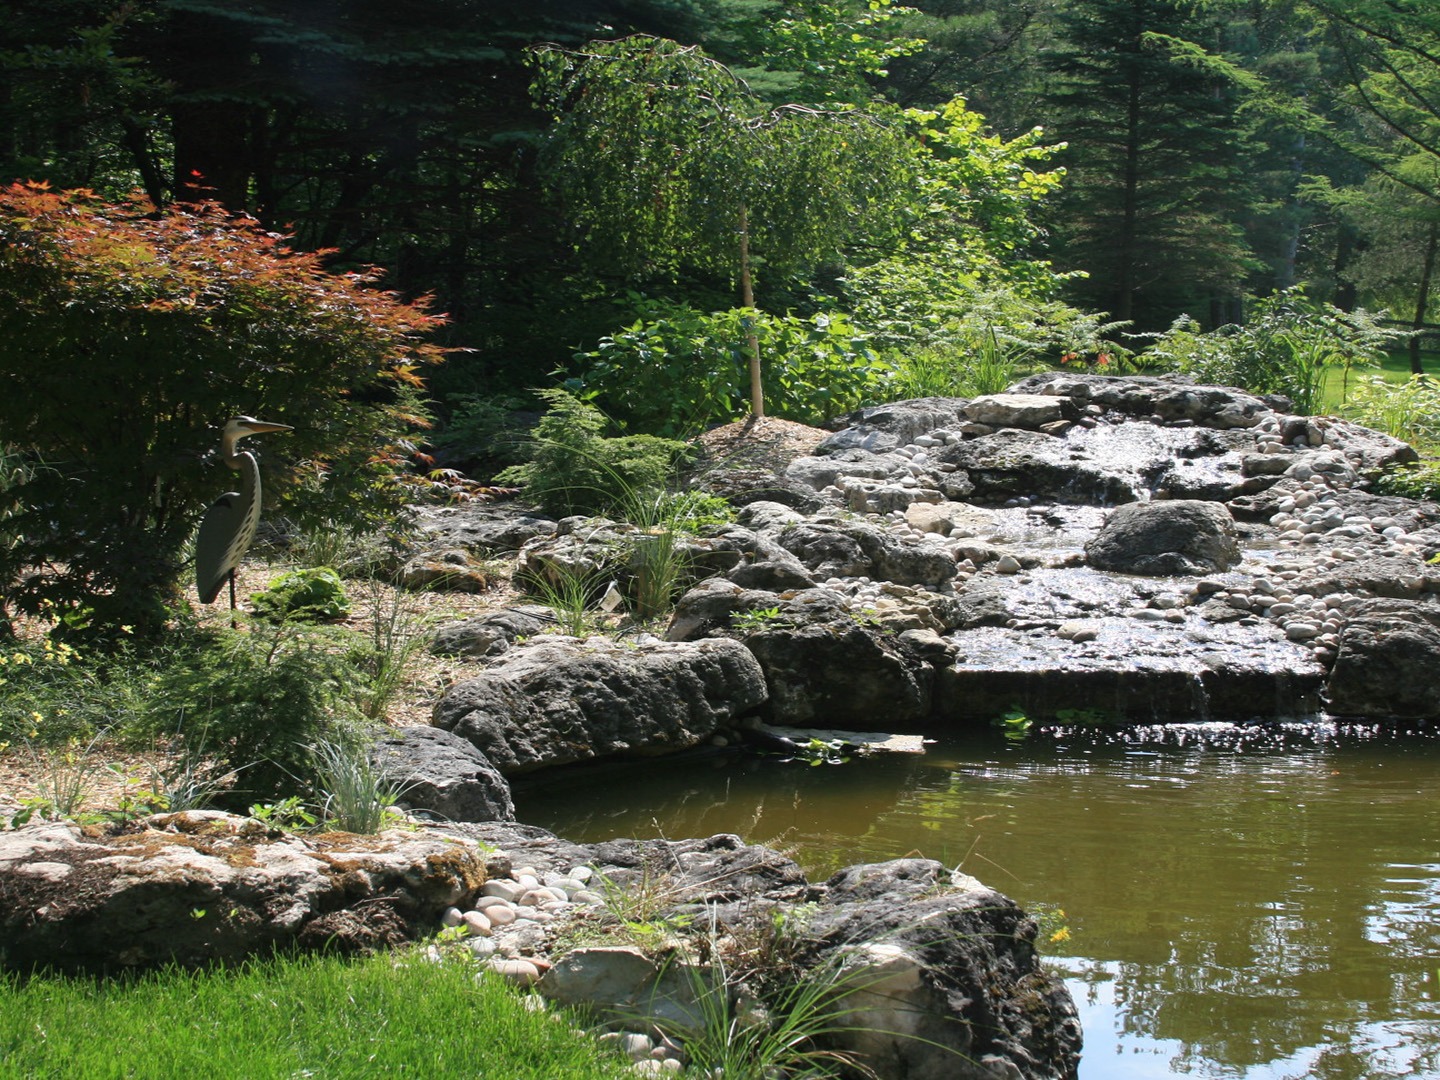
(1152, 164)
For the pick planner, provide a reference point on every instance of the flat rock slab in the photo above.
(198, 887)
(1131, 670)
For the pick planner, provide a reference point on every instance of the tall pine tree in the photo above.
(1152, 164)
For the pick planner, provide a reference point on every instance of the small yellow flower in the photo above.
(1063, 934)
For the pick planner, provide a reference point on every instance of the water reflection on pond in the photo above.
(1242, 902)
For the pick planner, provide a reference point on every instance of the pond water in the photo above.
(1246, 902)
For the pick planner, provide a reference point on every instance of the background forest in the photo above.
(1051, 175)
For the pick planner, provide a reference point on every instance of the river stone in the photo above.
(883, 427)
(491, 634)
(857, 549)
(621, 983)
(1183, 536)
(441, 773)
(823, 666)
(481, 527)
(950, 518)
(559, 701)
(198, 887)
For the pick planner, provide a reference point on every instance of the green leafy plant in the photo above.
(1418, 480)
(289, 814)
(1286, 345)
(258, 700)
(757, 619)
(1014, 724)
(677, 369)
(1409, 411)
(315, 594)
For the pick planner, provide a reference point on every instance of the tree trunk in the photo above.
(1422, 297)
(1127, 278)
(747, 300)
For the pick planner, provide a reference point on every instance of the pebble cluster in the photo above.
(508, 920)
(506, 929)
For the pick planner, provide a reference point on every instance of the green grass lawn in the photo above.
(1395, 368)
(283, 1019)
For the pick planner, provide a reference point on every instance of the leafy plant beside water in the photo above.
(1286, 346)
(1408, 411)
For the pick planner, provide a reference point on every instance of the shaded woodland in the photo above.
(1184, 157)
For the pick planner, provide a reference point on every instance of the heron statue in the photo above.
(229, 525)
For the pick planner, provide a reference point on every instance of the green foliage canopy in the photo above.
(664, 162)
(129, 335)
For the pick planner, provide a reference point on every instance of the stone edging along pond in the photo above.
(1082, 549)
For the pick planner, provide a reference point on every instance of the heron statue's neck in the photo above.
(229, 449)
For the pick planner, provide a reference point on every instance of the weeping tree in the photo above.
(663, 162)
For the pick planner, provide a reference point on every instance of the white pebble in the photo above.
(504, 889)
(520, 972)
(476, 923)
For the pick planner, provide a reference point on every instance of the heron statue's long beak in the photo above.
(252, 426)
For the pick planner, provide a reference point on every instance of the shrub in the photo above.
(131, 335)
(676, 370)
(575, 469)
(1285, 346)
(1410, 411)
(257, 701)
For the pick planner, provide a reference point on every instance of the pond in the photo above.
(1248, 902)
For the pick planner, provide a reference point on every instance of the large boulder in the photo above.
(1183, 536)
(1388, 653)
(942, 976)
(197, 887)
(557, 701)
(824, 665)
(858, 549)
(445, 776)
(938, 975)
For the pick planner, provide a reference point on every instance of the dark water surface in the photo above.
(1241, 902)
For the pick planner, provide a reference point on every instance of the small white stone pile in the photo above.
(509, 918)
(506, 929)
